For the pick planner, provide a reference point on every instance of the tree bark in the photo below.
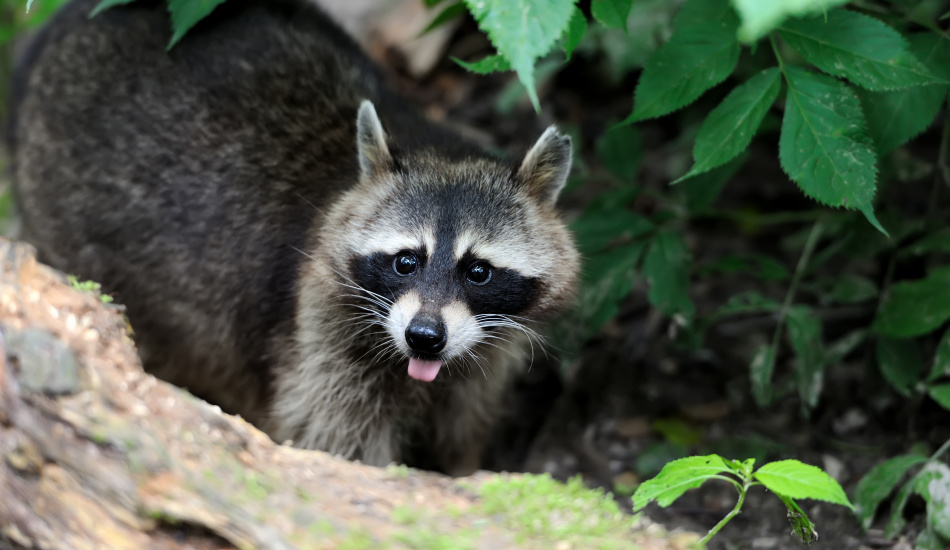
(96, 454)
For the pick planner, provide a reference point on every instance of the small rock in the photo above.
(633, 427)
(835, 468)
(853, 419)
(626, 480)
(45, 363)
(765, 542)
(707, 412)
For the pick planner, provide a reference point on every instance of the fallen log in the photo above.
(96, 454)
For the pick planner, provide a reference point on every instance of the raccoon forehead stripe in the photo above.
(390, 241)
(513, 252)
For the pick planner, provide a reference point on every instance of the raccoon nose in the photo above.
(426, 335)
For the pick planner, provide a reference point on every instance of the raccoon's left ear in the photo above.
(546, 166)
(371, 140)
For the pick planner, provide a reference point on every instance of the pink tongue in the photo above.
(424, 370)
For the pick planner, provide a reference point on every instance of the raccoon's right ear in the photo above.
(371, 141)
(546, 166)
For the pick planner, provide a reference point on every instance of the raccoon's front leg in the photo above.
(321, 405)
(463, 420)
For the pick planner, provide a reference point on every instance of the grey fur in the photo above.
(223, 192)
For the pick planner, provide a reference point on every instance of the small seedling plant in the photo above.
(931, 482)
(790, 480)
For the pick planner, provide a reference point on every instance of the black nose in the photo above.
(426, 335)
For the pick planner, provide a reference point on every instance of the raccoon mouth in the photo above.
(423, 369)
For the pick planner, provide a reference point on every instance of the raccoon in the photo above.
(291, 240)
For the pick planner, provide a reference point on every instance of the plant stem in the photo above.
(800, 269)
(735, 511)
(943, 448)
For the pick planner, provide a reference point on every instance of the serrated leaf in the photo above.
(794, 479)
(450, 12)
(900, 363)
(576, 29)
(619, 150)
(933, 484)
(695, 59)
(857, 47)
(897, 116)
(824, 145)
(104, 5)
(611, 13)
(879, 483)
(941, 394)
(523, 31)
(666, 268)
(730, 127)
(185, 14)
(486, 65)
(804, 332)
(676, 478)
(760, 372)
(912, 308)
(759, 17)
(941, 366)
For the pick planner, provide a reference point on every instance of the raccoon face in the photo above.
(446, 255)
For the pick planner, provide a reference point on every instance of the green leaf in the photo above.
(897, 116)
(929, 540)
(185, 14)
(595, 231)
(804, 332)
(759, 17)
(676, 478)
(912, 308)
(941, 365)
(651, 460)
(522, 31)
(576, 29)
(840, 348)
(802, 527)
(695, 59)
(933, 484)
(611, 278)
(447, 14)
(730, 127)
(900, 363)
(941, 394)
(824, 145)
(857, 47)
(760, 371)
(938, 241)
(619, 149)
(103, 5)
(896, 522)
(878, 484)
(849, 288)
(611, 13)
(486, 65)
(793, 479)
(666, 268)
(703, 189)
(677, 431)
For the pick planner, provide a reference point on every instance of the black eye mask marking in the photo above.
(505, 292)
(376, 273)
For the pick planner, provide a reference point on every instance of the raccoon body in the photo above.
(362, 283)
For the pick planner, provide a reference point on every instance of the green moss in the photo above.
(400, 471)
(358, 540)
(423, 539)
(538, 507)
(404, 515)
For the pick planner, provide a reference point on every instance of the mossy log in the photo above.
(96, 454)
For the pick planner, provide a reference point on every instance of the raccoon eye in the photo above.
(479, 273)
(405, 264)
